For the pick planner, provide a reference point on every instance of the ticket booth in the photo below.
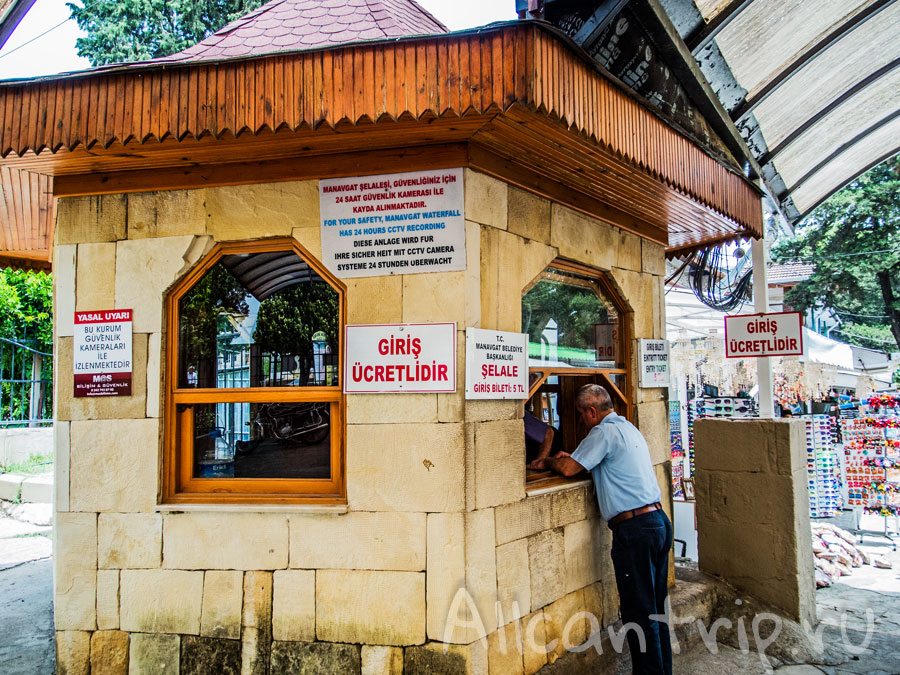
(241, 508)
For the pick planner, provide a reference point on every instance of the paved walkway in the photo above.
(26, 595)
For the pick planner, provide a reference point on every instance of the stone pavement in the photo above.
(26, 596)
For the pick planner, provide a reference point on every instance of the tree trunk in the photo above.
(893, 311)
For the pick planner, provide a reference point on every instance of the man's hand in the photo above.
(539, 464)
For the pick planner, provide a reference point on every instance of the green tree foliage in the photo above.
(26, 307)
(575, 309)
(136, 30)
(216, 293)
(854, 240)
(287, 320)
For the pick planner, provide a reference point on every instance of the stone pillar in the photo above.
(753, 510)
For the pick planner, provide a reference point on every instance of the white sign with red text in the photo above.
(398, 223)
(496, 364)
(400, 358)
(102, 349)
(776, 334)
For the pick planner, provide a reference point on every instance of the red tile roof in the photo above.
(790, 272)
(290, 25)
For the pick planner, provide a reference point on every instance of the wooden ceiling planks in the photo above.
(433, 90)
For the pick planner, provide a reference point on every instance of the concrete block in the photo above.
(11, 486)
(653, 258)
(261, 209)
(154, 374)
(223, 594)
(566, 624)
(310, 239)
(752, 445)
(534, 642)
(101, 407)
(129, 540)
(351, 607)
(433, 658)
(73, 652)
(528, 215)
(423, 473)
(582, 563)
(513, 580)
(653, 421)
(294, 605)
(486, 199)
(523, 518)
(145, 268)
(256, 633)
(639, 291)
(572, 505)
(154, 654)
(113, 465)
(546, 559)
(446, 573)
(358, 540)
(61, 465)
(95, 277)
(109, 653)
(202, 655)
(64, 288)
(593, 603)
(579, 237)
(75, 571)
(166, 213)
(481, 566)
(434, 297)
(505, 651)
(377, 660)
(108, 599)
(95, 218)
(473, 274)
(500, 462)
(490, 411)
(161, 601)
(721, 498)
(302, 658)
(629, 255)
(391, 409)
(244, 541)
(375, 299)
(508, 264)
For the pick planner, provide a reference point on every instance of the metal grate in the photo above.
(26, 384)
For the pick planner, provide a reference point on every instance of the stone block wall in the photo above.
(373, 587)
(753, 510)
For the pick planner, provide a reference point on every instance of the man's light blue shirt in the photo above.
(617, 456)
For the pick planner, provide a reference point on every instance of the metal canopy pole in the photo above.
(761, 305)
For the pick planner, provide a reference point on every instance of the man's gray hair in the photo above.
(593, 395)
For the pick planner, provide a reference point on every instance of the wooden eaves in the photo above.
(517, 100)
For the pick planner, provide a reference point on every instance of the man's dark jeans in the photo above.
(640, 554)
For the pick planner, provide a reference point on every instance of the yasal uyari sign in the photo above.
(775, 334)
(400, 223)
(102, 350)
(496, 364)
(400, 358)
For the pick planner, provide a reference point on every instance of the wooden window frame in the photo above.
(622, 397)
(179, 484)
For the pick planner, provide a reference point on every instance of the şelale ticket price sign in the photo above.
(496, 364)
(102, 350)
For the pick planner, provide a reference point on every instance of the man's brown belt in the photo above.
(627, 515)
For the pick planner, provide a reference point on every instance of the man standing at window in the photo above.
(616, 454)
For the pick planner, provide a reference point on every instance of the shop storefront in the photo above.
(291, 231)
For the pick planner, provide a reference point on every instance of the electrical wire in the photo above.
(717, 286)
(90, 5)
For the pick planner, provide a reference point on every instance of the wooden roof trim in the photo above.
(521, 63)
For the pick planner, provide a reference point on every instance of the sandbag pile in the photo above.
(835, 553)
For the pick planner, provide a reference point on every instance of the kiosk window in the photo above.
(576, 326)
(254, 403)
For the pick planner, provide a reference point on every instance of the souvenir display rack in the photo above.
(872, 452)
(822, 466)
(677, 449)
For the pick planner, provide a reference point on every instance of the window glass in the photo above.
(259, 320)
(262, 440)
(569, 323)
